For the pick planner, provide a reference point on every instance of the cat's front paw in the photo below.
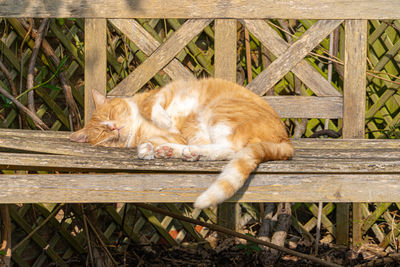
(146, 151)
(163, 151)
(188, 155)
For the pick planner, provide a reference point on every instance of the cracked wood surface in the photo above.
(34, 150)
(162, 188)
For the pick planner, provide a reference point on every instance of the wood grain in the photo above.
(52, 152)
(334, 170)
(354, 96)
(95, 62)
(148, 44)
(303, 70)
(161, 57)
(228, 214)
(225, 49)
(292, 56)
(355, 78)
(311, 161)
(307, 106)
(78, 188)
(294, 9)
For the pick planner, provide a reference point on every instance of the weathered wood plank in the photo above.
(225, 49)
(95, 62)
(80, 188)
(292, 56)
(354, 94)
(307, 106)
(354, 144)
(295, 9)
(310, 162)
(148, 44)
(34, 133)
(60, 146)
(15, 138)
(330, 107)
(161, 57)
(355, 78)
(228, 214)
(303, 70)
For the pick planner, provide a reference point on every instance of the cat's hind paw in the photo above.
(146, 151)
(188, 155)
(164, 152)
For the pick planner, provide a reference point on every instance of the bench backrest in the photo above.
(328, 103)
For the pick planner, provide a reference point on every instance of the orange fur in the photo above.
(206, 119)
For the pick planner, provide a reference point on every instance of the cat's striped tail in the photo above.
(239, 168)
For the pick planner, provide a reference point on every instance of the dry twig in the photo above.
(72, 106)
(101, 242)
(87, 235)
(9, 78)
(38, 122)
(236, 234)
(32, 63)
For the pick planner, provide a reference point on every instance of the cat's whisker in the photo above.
(102, 141)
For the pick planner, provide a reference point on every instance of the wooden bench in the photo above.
(345, 170)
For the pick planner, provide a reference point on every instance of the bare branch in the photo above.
(72, 106)
(32, 62)
(236, 234)
(38, 122)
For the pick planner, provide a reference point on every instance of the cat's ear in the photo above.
(79, 136)
(98, 98)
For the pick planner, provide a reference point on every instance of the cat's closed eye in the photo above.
(111, 125)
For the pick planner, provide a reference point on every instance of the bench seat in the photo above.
(328, 170)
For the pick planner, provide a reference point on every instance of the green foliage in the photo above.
(249, 247)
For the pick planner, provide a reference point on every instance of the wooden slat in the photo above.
(78, 188)
(14, 138)
(225, 49)
(307, 106)
(330, 107)
(228, 214)
(148, 44)
(292, 56)
(311, 161)
(355, 78)
(95, 62)
(295, 9)
(303, 70)
(33, 133)
(161, 57)
(354, 94)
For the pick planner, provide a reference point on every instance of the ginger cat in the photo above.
(208, 119)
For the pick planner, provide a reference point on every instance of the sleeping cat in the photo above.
(208, 119)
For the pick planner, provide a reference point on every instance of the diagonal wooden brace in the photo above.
(161, 57)
(148, 44)
(291, 57)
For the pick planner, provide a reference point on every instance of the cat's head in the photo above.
(109, 124)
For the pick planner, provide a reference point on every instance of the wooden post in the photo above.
(355, 59)
(225, 67)
(95, 61)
